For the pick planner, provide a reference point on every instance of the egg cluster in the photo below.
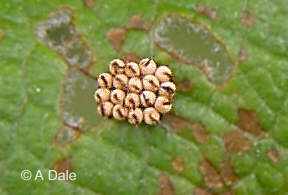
(135, 92)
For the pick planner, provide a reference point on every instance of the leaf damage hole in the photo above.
(59, 33)
(77, 103)
(193, 43)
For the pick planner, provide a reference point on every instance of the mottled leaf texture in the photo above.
(227, 132)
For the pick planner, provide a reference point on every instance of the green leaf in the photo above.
(227, 133)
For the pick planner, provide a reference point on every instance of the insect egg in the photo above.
(167, 89)
(163, 104)
(120, 112)
(151, 83)
(147, 98)
(135, 85)
(117, 66)
(147, 66)
(105, 109)
(135, 116)
(132, 100)
(120, 81)
(135, 92)
(102, 95)
(163, 74)
(151, 116)
(117, 96)
(132, 69)
(105, 80)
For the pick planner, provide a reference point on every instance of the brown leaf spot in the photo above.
(184, 85)
(130, 57)
(63, 165)
(248, 122)
(248, 19)
(201, 191)
(116, 36)
(236, 142)
(228, 174)
(1, 34)
(211, 178)
(177, 123)
(199, 132)
(178, 164)
(229, 192)
(207, 11)
(89, 3)
(273, 155)
(242, 54)
(166, 186)
(136, 22)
